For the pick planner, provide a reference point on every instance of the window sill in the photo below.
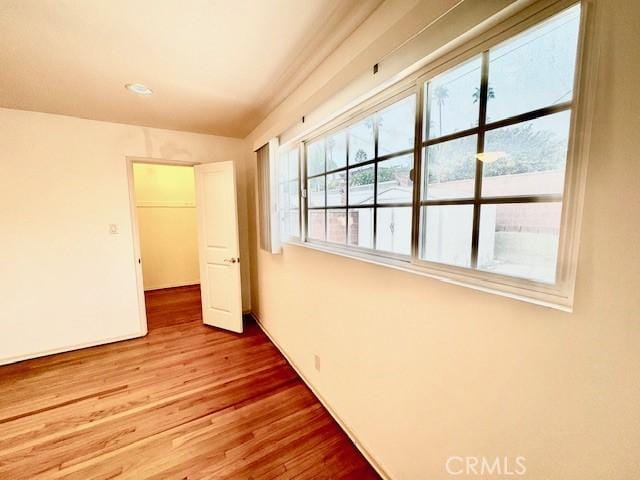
(517, 289)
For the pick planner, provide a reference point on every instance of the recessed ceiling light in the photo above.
(138, 88)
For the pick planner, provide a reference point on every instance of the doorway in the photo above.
(185, 235)
(165, 203)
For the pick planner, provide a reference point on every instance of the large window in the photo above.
(359, 187)
(496, 132)
(489, 160)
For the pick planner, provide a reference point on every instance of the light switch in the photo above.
(113, 229)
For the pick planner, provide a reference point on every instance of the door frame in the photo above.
(135, 232)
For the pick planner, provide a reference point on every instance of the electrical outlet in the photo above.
(316, 360)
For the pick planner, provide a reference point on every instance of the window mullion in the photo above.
(304, 193)
(326, 215)
(375, 180)
(346, 185)
(300, 206)
(482, 120)
(417, 174)
(451, 136)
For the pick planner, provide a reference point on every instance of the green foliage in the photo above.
(360, 156)
(363, 176)
(526, 151)
(451, 161)
(366, 175)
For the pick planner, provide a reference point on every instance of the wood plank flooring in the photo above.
(185, 402)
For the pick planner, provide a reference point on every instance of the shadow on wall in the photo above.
(167, 150)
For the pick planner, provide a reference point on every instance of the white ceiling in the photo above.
(215, 66)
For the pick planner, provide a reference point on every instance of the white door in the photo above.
(218, 245)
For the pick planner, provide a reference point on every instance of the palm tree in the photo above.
(476, 94)
(440, 94)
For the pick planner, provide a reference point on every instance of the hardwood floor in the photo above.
(185, 402)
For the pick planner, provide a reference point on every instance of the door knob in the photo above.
(231, 260)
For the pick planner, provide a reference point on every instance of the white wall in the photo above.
(167, 224)
(65, 281)
(420, 370)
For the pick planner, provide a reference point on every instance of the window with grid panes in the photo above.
(490, 163)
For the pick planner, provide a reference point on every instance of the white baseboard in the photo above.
(325, 404)
(44, 353)
(172, 285)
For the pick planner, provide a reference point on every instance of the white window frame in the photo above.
(559, 295)
(285, 237)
